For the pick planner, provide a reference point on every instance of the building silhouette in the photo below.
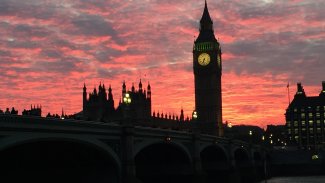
(305, 119)
(207, 68)
(99, 105)
(7, 111)
(34, 111)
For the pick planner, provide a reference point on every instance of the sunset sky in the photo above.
(49, 48)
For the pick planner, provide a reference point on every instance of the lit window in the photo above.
(303, 115)
(318, 122)
(296, 131)
(288, 124)
(318, 130)
(295, 109)
(303, 129)
(303, 123)
(311, 122)
(311, 130)
(318, 115)
(296, 137)
(295, 123)
(317, 108)
(310, 115)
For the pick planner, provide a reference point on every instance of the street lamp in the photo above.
(229, 125)
(194, 115)
(127, 99)
(250, 135)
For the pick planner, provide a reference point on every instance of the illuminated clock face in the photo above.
(204, 59)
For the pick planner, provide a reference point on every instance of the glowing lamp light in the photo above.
(229, 125)
(271, 142)
(127, 98)
(314, 157)
(194, 115)
(168, 139)
(250, 132)
(263, 138)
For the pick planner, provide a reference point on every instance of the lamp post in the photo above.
(127, 101)
(250, 136)
(194, 115)
(128, 141)
(195, 124)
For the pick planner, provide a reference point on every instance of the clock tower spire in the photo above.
(207, 76)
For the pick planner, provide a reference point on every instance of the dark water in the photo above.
(311, 179)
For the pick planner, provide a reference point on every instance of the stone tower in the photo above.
(207, 74)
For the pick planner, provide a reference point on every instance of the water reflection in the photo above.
(309, 179)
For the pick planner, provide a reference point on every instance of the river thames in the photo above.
(309, 179)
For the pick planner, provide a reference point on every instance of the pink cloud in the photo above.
(47, 54)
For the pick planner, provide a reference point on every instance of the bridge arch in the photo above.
(241, 155)
(37, 152)
(146, 143)
(244, 165)
(215, 163)
(163, 162)
(257, 156)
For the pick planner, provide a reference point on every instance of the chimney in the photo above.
(300, 89)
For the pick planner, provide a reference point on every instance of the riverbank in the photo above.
(297, 179)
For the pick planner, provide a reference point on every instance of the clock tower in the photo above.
(207, 75)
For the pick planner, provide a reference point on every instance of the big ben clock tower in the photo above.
(207, 75)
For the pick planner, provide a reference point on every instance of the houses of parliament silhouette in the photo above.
(99, 105)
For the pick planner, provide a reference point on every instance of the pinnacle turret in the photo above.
(206, 27)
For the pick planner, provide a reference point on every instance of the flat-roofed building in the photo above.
(305, 120)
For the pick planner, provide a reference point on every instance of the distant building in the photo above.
(305, 119)
(99, 105)
(248, 133)
(13, 111)
(275, 135)
(34, 111)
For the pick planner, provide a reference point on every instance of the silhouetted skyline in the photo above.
(49, 49)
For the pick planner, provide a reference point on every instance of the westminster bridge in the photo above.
(37, 149)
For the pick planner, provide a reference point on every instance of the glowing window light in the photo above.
(314, 157)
